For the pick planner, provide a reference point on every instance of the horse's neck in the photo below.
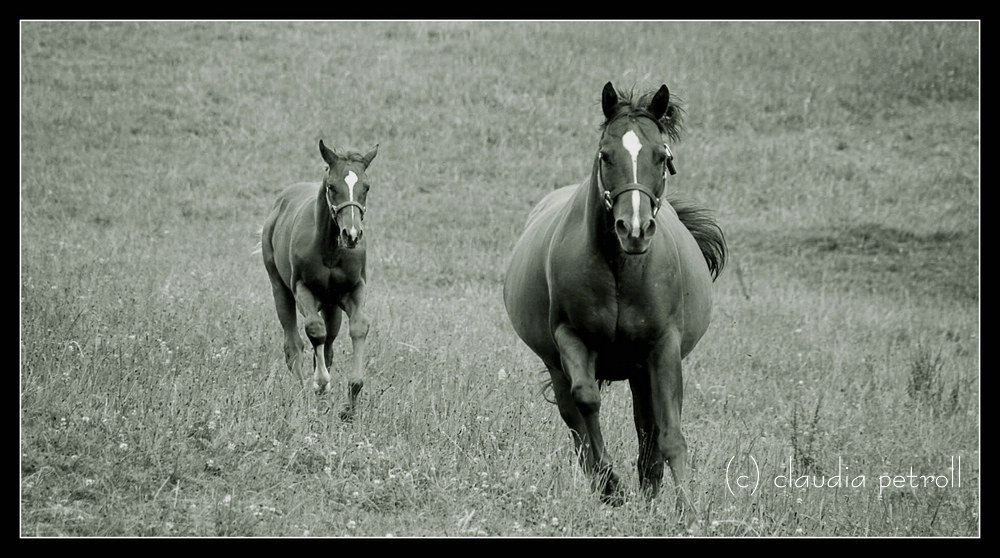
(628, 271)
(597, 218)
(326, 234)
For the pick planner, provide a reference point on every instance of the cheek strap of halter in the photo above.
(611, 195)
(335, 209)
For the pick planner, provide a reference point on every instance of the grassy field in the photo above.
(841, 159)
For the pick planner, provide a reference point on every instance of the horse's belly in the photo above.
(620, 362)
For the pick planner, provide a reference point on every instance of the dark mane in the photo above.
(706, 232)
(629, 104)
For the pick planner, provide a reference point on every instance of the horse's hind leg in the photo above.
(332, 316)
(284, 303)
(650, 462)
(358, 328)
(573, 419)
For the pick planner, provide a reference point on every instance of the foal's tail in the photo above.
(706, 232)
(258, 248)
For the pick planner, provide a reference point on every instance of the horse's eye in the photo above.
(605, 157)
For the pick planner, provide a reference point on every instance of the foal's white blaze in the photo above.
(632, 144)
(351, 179)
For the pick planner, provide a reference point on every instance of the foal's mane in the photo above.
(631, 104)
(348, 154)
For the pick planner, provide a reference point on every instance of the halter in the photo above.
(611, 195)
(335, 209)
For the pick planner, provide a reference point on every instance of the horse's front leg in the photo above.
(650, 462)
(358, 326)
(667, 393)
(579, 363)
(315, 327)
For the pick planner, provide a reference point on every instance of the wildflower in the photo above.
(351, 524)
(123, 446)
(227, 499)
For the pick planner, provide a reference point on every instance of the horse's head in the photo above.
(346, 188)
(633, 160)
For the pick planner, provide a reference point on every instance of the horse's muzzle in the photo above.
(350, 238)
(635, 240)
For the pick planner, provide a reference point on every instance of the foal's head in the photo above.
(346, 189)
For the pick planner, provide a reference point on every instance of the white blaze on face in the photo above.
(631, 143)
(351, 179)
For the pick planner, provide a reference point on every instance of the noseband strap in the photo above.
(611, 195)
(335, 209)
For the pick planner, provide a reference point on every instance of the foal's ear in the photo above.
(661, 100)
(328, 155)
(609, 100)
(370, 155)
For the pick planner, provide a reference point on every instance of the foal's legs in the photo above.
(284, 302)
(353, 304)
(580, 402)
(332, 316)
(316, 332)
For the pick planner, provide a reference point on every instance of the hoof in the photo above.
(321, 389)
(611, 491)
(347, 414)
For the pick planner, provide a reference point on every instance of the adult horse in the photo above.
(611, 282)
(313, 246)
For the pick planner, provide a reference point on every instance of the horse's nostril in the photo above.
(622, 228)
(649, 228)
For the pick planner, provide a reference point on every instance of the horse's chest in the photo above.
(330, 284)
(609, 320)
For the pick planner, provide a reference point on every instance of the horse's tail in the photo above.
(259, 247)
(706, 232)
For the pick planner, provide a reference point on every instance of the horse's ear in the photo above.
(609, 100)
(370, 155)
(328, 155)
(661, 100)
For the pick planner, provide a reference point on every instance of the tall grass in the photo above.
(841, 159)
